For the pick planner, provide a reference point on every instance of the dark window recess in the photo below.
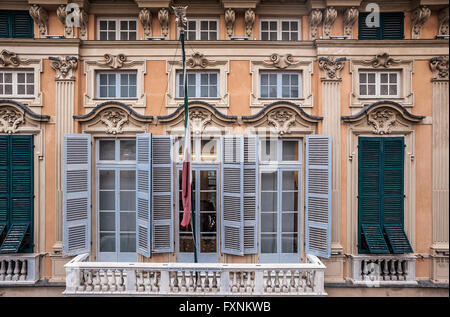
(16, 24)
(391, 27)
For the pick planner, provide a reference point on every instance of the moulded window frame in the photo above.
(198, 74)
(198, 21)
(280, 84)
(279, 28)
(117, 30)
(15, 83)
(118, 83)
(378, 83)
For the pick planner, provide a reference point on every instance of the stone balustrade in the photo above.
(19, 269)
(384, 269)
(106, 278)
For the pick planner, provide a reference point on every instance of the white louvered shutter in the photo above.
(232, 200)
(318, 195)
(162, 191)
(143, 193)
(76, 186)
(250, 190)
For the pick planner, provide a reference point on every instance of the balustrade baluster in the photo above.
(207, 287)
(405, 269)
(9, 271)
(97, 281)
(191, 282)
(393, 271)
(241, 282)
(88, 281)
(113, 283)
(292, 286)
(120, 282)
(16, 271)
(249, 284)
(82, 281)
(277, 282)
(214, 282)
(364, 271)
(399, 270)
(198, 278)
(269, 283)
(183, 281)
(104, 280)
(2, 270)
(175, 287)
(284, 287)
(234, 286)
(147, 282)
(140, 281)
(157, 280)
(23, 271)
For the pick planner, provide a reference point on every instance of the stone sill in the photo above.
(386, 284)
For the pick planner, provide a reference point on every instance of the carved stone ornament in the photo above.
(315, 18)
(281, 120)
(199, 120)
(180, 17)
(249, 20)
(328, 20)
(61, 13)
(145, 16)
(281, 61)
(418, 18)
(382, 120)
(10, 119)
(230, 17)
(443, 21)
(84, 19)
(331, 66)
(198, 60)
(350, 17)
(381, 60)
(114, 61)
(163, 17)
(8, 58)
(64, 67)
(114, 120)
(439, 67)
(40, 17)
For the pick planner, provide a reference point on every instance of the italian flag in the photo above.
(187, 173)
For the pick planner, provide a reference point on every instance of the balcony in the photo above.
(18, 269)
(85, 278)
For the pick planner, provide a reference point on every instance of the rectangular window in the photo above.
(202, 29)
(117, 150)
(123, 29)
(17, 83)
(208, 148)
(275, 85)
(280, 30)
(116, 85)
(379, 84)
(16, 24)
(391, 26)
(279, 151)
(199, 84)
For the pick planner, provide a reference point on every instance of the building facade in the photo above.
(318, 128)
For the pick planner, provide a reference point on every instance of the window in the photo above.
(379, 84)
(381, 196)
(277, 85)
(202, 29)
(280, 30)
(16, 24)
(199, 84)
(117, 150)
(111, 29)
(206, 146)
(391, 27)
(116, 84)
(17, 83)
(16, 193)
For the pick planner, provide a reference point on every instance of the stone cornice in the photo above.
(305, 116)
(383, 104)
(193, 104)
(109, 105)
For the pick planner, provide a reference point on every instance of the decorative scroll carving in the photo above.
(198, 60)
(350, 17)
(281, 61)
(439, 67)
(281, 120)
(84, 19)
(180, 13)
(249, 20)
(230, 17)
(443, 21)
(114, 120)
(331, 66)
(61, 12)
(8, 58)
(329, 18)
(418, 18)
(145, 16)
(64, 67)
(114, 61)
(382, 119)
(381, 60)
(315, 17)
(199, 120)
(10, 119)
(163, 17)
(40, 17)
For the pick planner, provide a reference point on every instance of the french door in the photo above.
(280, 216)
(204, 196)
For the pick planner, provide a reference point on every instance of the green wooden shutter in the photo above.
(23, 25)
(393, 195)
(370, 237)
(4, 183)
(365, 32)
(392, 27)
(4, 25)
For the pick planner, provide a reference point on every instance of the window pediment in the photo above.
(16, 117)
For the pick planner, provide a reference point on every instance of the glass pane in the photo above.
(127, 150)
(8, 89)
(111, 25)
(294, 36)
(269, 201)
(393, 78)
(285, 79)
(290, 201)
(204, 91)
(371, 78)
(107, 200)
(123, 91)
(208, 243)
(127, 221)
(371, 90)
(107, 180)
(273, 25)
(294, 92)
(264, 36)
(208, 201)
(264, 79)
(132, 79)
(384, 90)
(273, 92)
(212, 25)
(107, 221)
(30, 89)
(294, 26)
(208, 222)
(132, 25)
(8, 77)
(191, 91)
(290, 150)
(384, 78)
(289, 222)
(123, 36)
(273, 79)
(203, 25)
(107, 242)
(285, 92)
(285, 26)
(208, 180)
(213, 79)
(290, 180)
(128, 180)
(132, 92)
(107, 150)
(112, 36)
(21, 78)
(127, 242)
(124, 25)
(269, 181)
(362, 90)
(128, 200)
(209, 150)
(269, 150)
(102, 25)
(264, 25)
(264, 92)
(289, 243)
(268, 243)
(393, 90)
(204, 36)
(103, 36)
(294, 79)
(213, 36)
(268, 222)
(184, 229)
(20, 89)
(362, 78)
(212, 91)
(285, 36)
(273, 36)
(186, 242)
